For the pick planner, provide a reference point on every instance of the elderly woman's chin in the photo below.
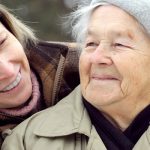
(102, 94)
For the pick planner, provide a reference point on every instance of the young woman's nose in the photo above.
(101, 55)
(7, 69)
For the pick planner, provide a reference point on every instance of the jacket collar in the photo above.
(75, 119)
(144, 141)
(66, 117)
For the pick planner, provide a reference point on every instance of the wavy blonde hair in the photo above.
(22, 32)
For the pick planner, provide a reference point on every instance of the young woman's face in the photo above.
(115, 61)
(15, 80)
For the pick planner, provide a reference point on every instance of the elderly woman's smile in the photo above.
(103, 77)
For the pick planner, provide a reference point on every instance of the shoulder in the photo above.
(44, 123)
(57, 48)
(23, 135)
(144, 141)
(55, 63)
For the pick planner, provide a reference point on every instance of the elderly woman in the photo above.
(111, 108)
(32, 75)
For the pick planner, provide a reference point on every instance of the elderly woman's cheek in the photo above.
(125, 86)
(84, 71)
(135, 81)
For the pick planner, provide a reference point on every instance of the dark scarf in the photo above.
(114, 138)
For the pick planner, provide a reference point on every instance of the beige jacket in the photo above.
(66, 126)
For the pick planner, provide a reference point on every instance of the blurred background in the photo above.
(43, 16)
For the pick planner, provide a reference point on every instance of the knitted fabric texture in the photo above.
(139, 9)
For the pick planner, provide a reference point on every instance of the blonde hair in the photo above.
(22, 32)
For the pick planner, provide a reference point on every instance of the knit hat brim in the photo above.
(139, 9)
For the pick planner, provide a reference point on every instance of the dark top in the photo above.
(114, 138)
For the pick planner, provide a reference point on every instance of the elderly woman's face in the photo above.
(15, 82)
(115, 61)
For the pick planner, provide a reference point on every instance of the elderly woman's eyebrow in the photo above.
(123, 33)
(115, 32)
(92, 32)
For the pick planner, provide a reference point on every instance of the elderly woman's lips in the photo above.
(104, 77)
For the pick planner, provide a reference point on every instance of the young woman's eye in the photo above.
(3, 38)
(2, 41)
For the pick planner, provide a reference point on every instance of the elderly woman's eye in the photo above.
(119, 44)
(91, 44)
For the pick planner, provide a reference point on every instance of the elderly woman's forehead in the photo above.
(112, 10)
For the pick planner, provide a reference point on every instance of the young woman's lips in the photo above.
(14, 84)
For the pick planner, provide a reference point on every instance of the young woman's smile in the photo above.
(15, 79)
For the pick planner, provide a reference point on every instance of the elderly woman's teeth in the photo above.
(13, 84)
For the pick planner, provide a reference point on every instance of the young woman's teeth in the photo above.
(13, 84)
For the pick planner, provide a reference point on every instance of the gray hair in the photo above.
(78, 21)
(140, 10)
(22, 32)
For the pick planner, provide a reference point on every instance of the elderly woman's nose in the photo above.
(6, 69)
(101, 55)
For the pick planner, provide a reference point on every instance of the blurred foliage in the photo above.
(42, 15)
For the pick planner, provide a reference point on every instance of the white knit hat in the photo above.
(140, 9)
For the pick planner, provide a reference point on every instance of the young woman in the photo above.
(33, 75)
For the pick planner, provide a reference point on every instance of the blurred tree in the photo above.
(42, 15)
